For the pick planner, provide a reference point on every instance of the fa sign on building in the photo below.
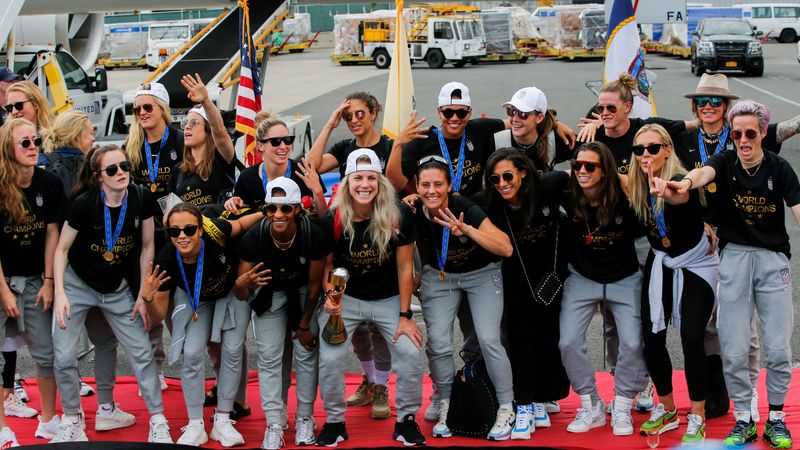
(662, 11)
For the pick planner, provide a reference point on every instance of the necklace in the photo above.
(758, 166)
(282, 245)
(589, 237)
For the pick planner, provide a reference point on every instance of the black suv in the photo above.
(727, 44)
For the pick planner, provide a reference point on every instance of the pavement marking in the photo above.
(752, 86)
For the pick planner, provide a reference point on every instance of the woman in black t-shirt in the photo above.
(460, 251)
(31, 202)
(680, 278)
(105, 244)
(207, 169)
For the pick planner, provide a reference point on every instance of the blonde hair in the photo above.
(625, 85)
(385, 214)
(264, 121)
(44, 118)
(12, 201)
(65, 132)
(136, 136)
(638, 185)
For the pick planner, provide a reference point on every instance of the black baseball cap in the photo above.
(7, 75)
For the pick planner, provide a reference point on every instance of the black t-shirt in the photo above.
(371, 278)
(621, 146)
(463, 254)
(171, 154)
(478, 146)
(22, 245)
(683, 223)
(197, 191)
(750, 206)
(250, 186)
(343, 148)
(219, 268)
(86, 254)
(562, 153)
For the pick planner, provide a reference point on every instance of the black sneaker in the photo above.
(239, 411)
(211, 397)
(332, 433)
(408, 432)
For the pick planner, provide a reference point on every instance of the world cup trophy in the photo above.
(334, 331)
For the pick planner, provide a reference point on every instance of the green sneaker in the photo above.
(777, 434)
(695, 431)
(660, 421)
(741, 434)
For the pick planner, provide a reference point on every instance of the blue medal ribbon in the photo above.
(701, 145)
(194, 296)
(455, 177)
(265, 180)
(442, 258)
(111, 240)
(659, 216)
(152, 166)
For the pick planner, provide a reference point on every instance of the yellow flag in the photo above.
(400, 90)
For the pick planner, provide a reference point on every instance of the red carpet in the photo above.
(365, 432)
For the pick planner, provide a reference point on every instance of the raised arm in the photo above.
(695, 179)
(316, 153)
(486, 235)
(199, 94)
(787, 129)
(394, 166)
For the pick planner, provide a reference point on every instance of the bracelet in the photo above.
(303, 328)
(691, 183)
(148, 301)
(49, 278)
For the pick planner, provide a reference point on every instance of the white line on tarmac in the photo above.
(752, 86)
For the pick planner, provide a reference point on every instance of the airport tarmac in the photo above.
(309, 83)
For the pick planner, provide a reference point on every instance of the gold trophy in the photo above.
(334, 331)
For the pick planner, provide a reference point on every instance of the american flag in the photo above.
(248, 101)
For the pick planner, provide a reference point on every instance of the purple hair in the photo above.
(751, 108)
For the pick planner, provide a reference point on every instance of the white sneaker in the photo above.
(540, 417)
(194, 434)
(163, 381)
(273, 437)
(19, 388)
(13, 406)
(86, 390)
(71, 430)
(645, 401)
(754, 407)
(441, 430)
(47, 430)
(7, 438)
(159, 430)
(224, 432)
(523, 426)
(586, 419)
(503, 424)
(552, 407)
(304, 431)
(110, 417)
(622, 422)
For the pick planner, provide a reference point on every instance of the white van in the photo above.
(777, 20)
(166, 38)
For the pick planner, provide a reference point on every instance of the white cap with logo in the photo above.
(199, 110)
(447, 92)
(288, 186)
(157, 90)
(528, 99)
(353, 165)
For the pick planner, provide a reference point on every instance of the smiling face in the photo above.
(25, 156)
(273, 155)
(359, 126)
(749, 150)
(453, 127)
(588, 179)
(148, 119)
(612, 120)
(363, 186)
(86, 138)
(280, 220)
(28, 110)
(524, 127)
(120, 180)
(710, 115)
(647, 160)
(186, 245)
(433, 187)
(194, 136)
(508, 189)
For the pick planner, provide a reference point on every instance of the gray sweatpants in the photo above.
(440, 299)
(578, 305)
(269, 331)
(755, 278)
(406, 358)
(37, 324)
(713, 346)
(116, 307)
(105, 354)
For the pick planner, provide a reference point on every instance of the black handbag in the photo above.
(550, 285)
(473, 401)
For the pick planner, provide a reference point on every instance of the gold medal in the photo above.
(153, 187)
(441, 275)
(194, 316)
(665, 242)
(712, 187)
(108, 256)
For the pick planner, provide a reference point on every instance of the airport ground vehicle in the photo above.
(726, 45)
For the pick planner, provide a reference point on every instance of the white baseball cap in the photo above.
(528, 99)
(199, 110)
(288, 186)
(157, 90)
(353, 166)
(446, 94)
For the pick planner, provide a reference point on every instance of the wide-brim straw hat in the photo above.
(712, 85)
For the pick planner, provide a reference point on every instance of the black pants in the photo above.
(697, 302)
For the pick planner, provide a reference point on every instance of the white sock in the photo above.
(508, 405)
(222, 416)
(369, 369)
(776, 415)
(196, 421)
(742, 415)
(105, 409)
(381, 377)
(586, 401)
(622, 403)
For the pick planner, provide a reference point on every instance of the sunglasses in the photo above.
(431, 158)
(188, 230)
(189, 123)
(147, 107)
(495, 178)
(448, 113)
(276, 141)
(589, 166)
(652, 149)
(18, 106)
(25, 143)
(360, 114)
(112, 169)
(737, 134)
(611, 108)
(514, 112)
(273, 208)
(715, 102)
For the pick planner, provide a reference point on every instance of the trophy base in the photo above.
(334, 337)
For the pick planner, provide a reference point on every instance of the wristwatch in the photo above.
(407, 314)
